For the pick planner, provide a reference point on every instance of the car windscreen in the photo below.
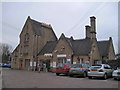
(96, 66)
(118, 67)
(60, 65)
(76, 66)
(68, 65)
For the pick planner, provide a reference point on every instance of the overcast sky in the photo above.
(69, 18)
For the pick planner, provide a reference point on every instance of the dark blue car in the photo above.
(6, 65)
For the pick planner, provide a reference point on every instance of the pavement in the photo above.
(31, 79)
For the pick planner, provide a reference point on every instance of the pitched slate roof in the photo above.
(48, 48)
(81, 47)
(37, 26)
(103, 47)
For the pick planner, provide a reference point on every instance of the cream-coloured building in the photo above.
(39, 45)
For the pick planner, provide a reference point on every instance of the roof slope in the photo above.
(37, 26)
(48, 48)
(103, 47)
(81, 47)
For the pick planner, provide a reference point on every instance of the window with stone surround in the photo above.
(26, 48)
(26, 39)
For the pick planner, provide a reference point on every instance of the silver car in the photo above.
(116, 74)
(102, 70)
(79, 70)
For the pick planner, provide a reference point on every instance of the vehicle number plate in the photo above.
(94, 70)
(73, 71)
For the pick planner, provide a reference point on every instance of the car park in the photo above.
(63, 68)
(79, 70)
(116, 74)
(102, 70)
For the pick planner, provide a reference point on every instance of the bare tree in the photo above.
(5, 51)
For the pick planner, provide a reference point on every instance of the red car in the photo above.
(63, 68)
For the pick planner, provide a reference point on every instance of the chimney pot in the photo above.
(93, 18)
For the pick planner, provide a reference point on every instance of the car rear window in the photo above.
(118, 67)
(68, 65)
(76, 66)
(96, 66)
(60, 65)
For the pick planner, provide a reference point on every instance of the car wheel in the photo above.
(66, 74)
(90, 77)
(71, 75)
(115, 78)
(84, 74)
(57, 74)
(105, 77)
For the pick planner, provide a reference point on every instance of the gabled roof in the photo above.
(66, 39)
(81, 47)
(62, 36)
(103, 47)
(37, 26)
(48, 48)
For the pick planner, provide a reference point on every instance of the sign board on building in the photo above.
(69, 60)
(61, 55)
(48, 54)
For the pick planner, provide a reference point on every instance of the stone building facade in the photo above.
(39, 45)
(33, 37)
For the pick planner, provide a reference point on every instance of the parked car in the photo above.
(116, 74)
(6, 65)
(63, 68)
(79, 70)
(102, 70)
